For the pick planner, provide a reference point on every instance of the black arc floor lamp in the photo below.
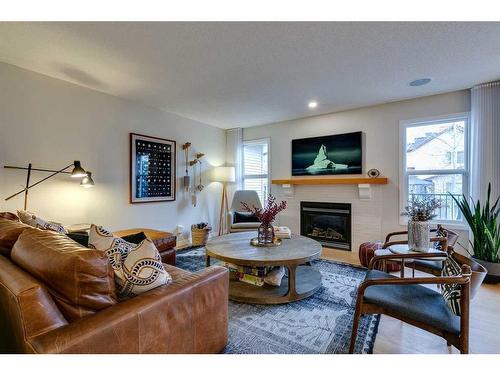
(77, 172)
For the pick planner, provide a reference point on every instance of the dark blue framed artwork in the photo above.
(152, 169)
(328, 155)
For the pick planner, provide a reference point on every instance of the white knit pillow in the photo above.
(37, 222)
(142, 272)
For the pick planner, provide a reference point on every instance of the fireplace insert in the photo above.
(328, 223)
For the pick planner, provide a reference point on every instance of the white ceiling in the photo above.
(245, 74)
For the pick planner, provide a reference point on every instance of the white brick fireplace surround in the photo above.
(366, 213)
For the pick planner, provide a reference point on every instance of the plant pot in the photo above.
(493, 275)
(419, 236)
(199, 237)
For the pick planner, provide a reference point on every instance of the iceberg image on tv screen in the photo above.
(327, 155)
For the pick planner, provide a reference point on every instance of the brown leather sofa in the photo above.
(59, 297)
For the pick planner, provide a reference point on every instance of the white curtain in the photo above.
(485, 140)
(234, 158)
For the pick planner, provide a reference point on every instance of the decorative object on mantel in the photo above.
(152, 169)
(223, 175)
(266, 216)
(344, 156)
(77, 172)
(373, 173)
(199, 234)
(484, 224)
(186, 180)
(420, 212)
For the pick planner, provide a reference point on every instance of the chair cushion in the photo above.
(79, 279)
(245, 217)
(10, 231)
(416, 302)
(245, 225)
(436, 265)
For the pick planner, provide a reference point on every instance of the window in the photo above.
(434, 162)
(256, 167)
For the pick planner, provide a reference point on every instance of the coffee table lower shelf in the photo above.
(301, 282)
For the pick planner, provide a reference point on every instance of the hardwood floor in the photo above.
(397, 337)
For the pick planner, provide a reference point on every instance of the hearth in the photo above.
(328, 223)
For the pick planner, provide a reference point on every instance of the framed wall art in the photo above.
(328, 155)
(152, 169)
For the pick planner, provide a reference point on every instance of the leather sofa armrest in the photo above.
(190, 315)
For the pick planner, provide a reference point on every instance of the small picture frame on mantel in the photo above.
(152, 169)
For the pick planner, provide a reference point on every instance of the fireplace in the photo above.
(327, 223)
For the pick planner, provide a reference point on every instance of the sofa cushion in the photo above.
(9, 233)
(136, 238)
(79, 279)
(37, 222)
(416, 302)
(83, 238)
(142, 272)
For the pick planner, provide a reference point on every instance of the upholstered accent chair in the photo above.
(408, 300)
(249, 197)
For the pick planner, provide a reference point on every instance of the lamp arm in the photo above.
(38, 182)
(34, 169)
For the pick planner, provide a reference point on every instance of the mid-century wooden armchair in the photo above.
(432, 266)
(409, 301)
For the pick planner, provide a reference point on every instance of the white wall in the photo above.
(374, 218)
(51, 123)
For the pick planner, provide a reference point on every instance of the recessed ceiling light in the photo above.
(312, 104)
(420, 82)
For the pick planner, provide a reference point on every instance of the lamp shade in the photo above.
(78, 171)
(87, 181)
(223, 174)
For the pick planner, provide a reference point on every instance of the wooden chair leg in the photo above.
(355, 324)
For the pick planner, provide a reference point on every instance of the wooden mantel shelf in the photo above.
(333, 181)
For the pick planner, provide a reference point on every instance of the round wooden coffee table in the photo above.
(294, 253)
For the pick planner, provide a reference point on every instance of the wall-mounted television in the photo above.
(328, 155)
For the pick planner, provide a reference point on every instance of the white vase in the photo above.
(419, 235)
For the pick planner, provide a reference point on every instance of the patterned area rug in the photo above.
(319, 324)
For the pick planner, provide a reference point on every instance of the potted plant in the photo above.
(485, 228)
(266, 217)
(420, 212)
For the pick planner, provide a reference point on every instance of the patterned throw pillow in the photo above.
(440, 232)
(144, 269)
(451, 292)
(37, 222)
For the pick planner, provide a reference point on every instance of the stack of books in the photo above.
(282, 232)
(247, 274)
